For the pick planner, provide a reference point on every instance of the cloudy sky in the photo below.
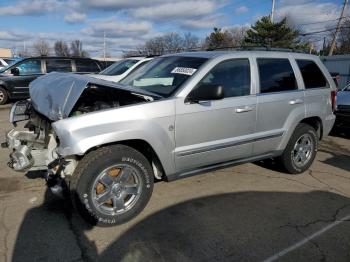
(128, 23)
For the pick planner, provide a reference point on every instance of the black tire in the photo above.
(84, 178)
(3, 96)
(287, 157)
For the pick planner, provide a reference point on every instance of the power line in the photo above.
(325, 21)
(321, 31)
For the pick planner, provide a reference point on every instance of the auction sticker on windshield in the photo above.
(184, 71)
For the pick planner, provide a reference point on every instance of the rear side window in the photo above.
(312, 75)
(232, 75)
(58, 65)
(86, 66)
(276, 75)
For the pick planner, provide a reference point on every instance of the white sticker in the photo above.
(184, 71)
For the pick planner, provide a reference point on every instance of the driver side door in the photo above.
(212, 132)
(28, 71)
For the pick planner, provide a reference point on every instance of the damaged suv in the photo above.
(179, 115)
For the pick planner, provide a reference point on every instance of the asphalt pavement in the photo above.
(250, 212)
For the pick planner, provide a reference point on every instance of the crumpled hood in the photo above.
(55, 94)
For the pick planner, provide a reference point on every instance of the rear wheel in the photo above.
(301, 149)
(3, 96)
(112, 185)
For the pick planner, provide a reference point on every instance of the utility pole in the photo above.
(272, 10)
(338, 28)
(324, 46)
(104, 46)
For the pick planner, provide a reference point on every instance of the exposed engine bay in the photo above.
(96, 98)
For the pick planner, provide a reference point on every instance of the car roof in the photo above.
(57, 57)
(215, 54)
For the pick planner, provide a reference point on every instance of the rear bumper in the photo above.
(328, 124)
(342, 119)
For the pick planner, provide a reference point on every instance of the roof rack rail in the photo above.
(150, 56)
(258, 48)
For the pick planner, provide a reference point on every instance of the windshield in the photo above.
(119, 67)
(164, 75)
(9, 61)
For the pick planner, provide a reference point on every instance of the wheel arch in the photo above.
(144, 148)
(316, 123)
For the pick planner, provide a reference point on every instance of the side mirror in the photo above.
(205, 92)
(15, 71)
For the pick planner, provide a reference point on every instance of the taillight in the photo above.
(334, 99)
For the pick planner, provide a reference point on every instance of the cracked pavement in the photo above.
(249, 212)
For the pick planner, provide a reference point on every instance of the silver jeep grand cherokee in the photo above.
(178, 115)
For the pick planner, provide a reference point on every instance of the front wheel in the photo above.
(3, 96)
(112, 185)
(301, 149)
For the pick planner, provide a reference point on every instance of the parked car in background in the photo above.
(343, 108)
(15, 79)
(122, 68)
(176, 116)
(5, 62)
(107, 63)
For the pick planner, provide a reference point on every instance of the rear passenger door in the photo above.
(279, 103)
(58, 65)
(86, 66)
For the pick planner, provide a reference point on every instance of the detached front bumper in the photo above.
(22, 156)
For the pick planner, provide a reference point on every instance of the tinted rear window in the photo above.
(312, 75)
(58, 65)
(87, 66)
(276, 75)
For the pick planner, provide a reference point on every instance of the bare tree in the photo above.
(61, 48)
(155, 46)
(76, 48)
(238, 33)
(173, 42)
(190, 41)
(170, 43)
(41, 47)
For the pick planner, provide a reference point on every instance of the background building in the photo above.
(5, 52)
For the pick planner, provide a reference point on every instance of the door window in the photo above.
(58, 65)
(276, 75)
(86, 66)
(30, 67)
(312, 75)
(232, 75)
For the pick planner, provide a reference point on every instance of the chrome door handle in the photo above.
(296, 101)
(244, 109)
